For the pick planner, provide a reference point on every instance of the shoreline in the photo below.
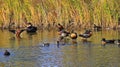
(68, 29)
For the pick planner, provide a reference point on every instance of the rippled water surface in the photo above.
(28, 51)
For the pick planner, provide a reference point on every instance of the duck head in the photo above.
(103, 39)
(29, 24)
(90, 32)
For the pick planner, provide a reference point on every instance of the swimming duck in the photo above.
(87, 34)
(46, 44)
(6, 53)
(104, 41)
(31, 28)
(87, 31)
(97, 28)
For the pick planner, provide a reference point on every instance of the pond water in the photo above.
(28, 52)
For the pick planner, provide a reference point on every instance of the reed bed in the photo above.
(82, 13)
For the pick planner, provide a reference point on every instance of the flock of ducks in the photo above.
(63, 33)
(30, 29)
(87, 34)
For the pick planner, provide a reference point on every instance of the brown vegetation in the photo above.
(78, 13)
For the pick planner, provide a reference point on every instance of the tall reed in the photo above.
(83, 12)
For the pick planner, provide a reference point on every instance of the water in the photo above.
(27, 52)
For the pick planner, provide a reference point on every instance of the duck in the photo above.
(73, 35)
(87, 31)
(58, 43)
(6, 53)
(46, 44)
(97, 28)
(104, 41)
(17, 31)
(87, 34)
(31, 28)
(65, 33)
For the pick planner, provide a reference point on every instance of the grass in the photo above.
(84, 12)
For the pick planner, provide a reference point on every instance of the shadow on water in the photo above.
(31, 52)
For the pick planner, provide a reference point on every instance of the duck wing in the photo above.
(13, 31)
(21, 31)
(110, 41)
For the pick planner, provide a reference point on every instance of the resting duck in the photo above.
(97, 28)
(87, 34)
(104, 41)
(6, 53)
(31, 28)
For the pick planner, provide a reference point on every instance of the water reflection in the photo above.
(27, 52)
